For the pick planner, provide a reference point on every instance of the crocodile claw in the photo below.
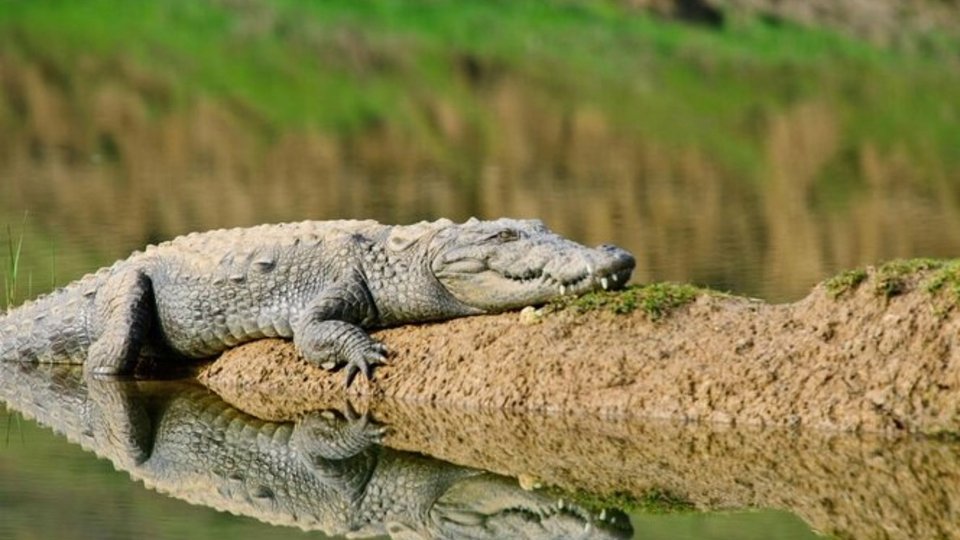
(335, 344)
(336, 435)
(364, 423)
(375, 355)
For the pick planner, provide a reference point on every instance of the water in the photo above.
(196, 448)
(178, 439)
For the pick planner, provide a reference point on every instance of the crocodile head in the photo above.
(509, 263)
(492, 506)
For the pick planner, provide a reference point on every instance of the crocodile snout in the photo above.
(619, 265)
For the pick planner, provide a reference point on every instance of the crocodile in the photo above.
(320, 283)
(326, 471)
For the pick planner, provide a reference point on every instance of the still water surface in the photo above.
(181, 440)
(429, 477)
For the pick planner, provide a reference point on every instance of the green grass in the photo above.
(32, 260)
(844, 282)
(344, 67)
(946, 280)
(654, 501)
(12, 274)
(656, 300)
(944, 436)
(894, 278)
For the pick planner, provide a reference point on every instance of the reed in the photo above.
(12, 274)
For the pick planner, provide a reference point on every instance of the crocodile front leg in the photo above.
(328, 334)
(342, 451)
(332, 436)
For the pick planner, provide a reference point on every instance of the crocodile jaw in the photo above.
(488, 506)
(506, 264)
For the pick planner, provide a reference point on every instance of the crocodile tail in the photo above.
(52, 328)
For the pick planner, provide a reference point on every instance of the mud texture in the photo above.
(844, 485)
(873, 359)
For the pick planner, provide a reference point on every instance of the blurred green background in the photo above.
(746, 145)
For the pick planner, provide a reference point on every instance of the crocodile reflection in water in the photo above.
(321, 473)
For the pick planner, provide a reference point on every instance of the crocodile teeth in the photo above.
(614, 278)
(563, 290)
(559, 504)
(604, 283)
(603, 514)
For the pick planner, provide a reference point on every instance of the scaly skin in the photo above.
(319, 283)
(323, 472)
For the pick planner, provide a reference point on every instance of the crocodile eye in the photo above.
(507, 235)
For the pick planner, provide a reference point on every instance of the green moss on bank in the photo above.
(892, 276)
(653, 501)
(897, 277)
(946, 280)
(944, 436)
(656, 300)
(845, 282)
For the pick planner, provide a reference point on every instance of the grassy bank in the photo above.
(344, 67)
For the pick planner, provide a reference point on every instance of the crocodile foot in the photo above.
(335, 344)
(332, 435)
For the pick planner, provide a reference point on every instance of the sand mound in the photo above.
(867, 351)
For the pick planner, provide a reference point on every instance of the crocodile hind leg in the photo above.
(124, 311)
(119, 421)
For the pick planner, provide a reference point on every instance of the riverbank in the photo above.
(873, 350)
